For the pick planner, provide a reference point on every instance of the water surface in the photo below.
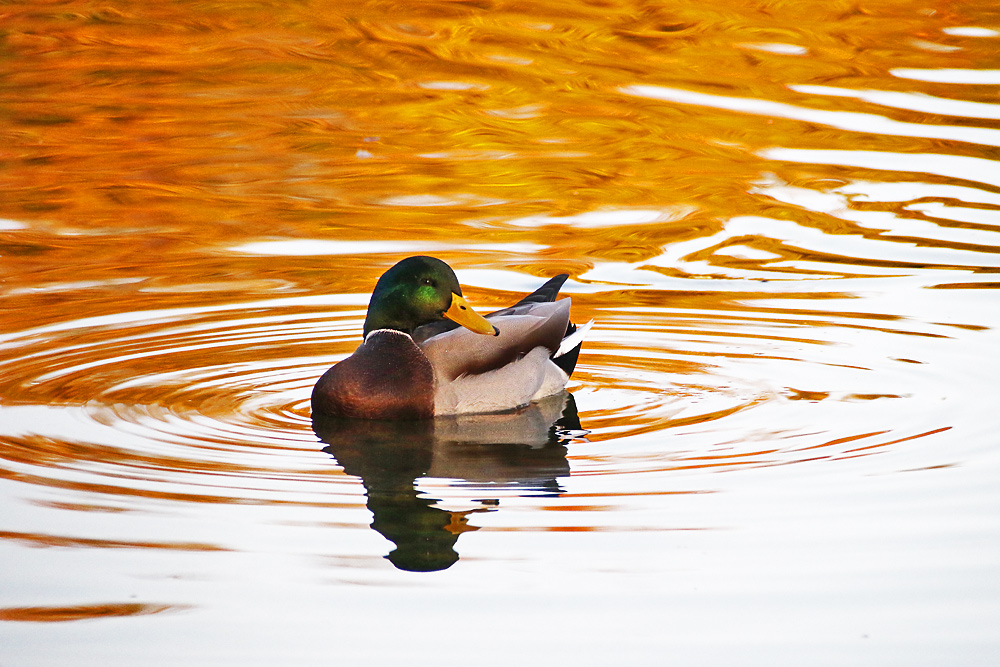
(779, 447)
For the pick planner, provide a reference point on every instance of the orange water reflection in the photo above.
(243, 122)
(82, 612)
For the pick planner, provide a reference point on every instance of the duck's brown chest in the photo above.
(387, 377)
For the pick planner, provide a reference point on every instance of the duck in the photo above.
(426, 353)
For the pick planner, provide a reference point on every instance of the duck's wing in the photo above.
(544, 294)
(523, 327)
(569, 347)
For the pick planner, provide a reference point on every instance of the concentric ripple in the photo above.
(174, 398)
(213, 401)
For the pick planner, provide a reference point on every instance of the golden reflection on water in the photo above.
(783, 217)
(82, 612)
(254, 122)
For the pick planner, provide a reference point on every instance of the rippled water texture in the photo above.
(780, 444)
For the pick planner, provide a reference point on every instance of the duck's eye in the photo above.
(426, 281)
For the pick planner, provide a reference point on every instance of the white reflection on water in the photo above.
(777, 47)
(971, 31)
(844, 120)
(9, 225)
(958, 214)
(973, 169)
(836, 202)
(977, 77)
(906, 191)
(909, 101)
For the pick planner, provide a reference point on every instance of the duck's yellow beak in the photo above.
(462, 313)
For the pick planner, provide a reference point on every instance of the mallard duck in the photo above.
(427, 353)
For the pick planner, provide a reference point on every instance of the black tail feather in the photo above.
(547, 292)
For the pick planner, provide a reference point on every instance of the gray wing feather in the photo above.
(523, 327)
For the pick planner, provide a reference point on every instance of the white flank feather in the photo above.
(574, 339)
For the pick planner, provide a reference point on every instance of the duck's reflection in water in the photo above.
(522, 450)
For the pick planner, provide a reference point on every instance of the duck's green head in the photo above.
(420, 290)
